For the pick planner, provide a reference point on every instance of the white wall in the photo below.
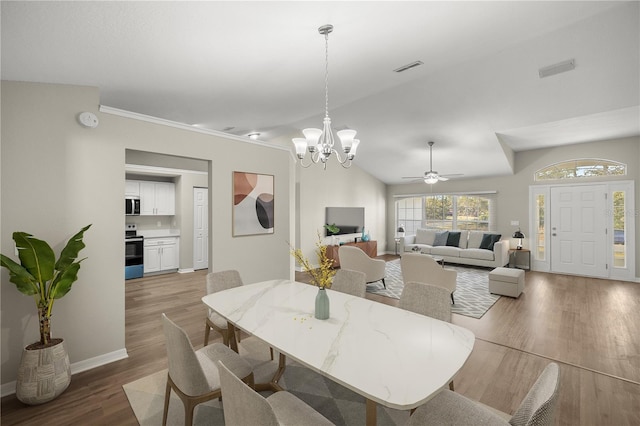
(58, 176)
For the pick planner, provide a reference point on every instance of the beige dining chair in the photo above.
(536, 409)
(243, 406)
(355, 259)
(193, 375)
(426, 299)
(423, 268)
(218, 281)
(350, 282)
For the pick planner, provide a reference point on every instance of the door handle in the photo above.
(554, 234)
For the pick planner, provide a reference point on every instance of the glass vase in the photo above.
(322, 305)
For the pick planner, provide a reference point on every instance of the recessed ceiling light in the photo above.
(254, 136)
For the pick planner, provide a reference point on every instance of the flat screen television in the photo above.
(350, 220)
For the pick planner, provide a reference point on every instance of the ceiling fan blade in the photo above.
(442, 179)
(412, 177)
(452, 175)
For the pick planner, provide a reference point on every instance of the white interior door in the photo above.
(200, 228)
(578, 230)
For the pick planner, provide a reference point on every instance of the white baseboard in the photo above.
(76, 367)
(186, 270)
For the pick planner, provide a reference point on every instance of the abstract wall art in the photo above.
(253, 208)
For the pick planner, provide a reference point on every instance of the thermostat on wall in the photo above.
(88, 119)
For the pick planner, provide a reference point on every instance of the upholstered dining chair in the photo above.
(423, 268)
(218, 281)
(193, 375)
(350, 282)
(355, 259)
(243, 406)
(536, 409)
(426, 299)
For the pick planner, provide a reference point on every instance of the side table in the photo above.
(515, 252)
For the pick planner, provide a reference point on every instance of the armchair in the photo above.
(423, 268)
(357, 260)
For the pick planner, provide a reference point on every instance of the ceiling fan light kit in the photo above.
(431, 176)
(320, 143)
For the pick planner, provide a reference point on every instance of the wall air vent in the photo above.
(557, 68)
(408, 66)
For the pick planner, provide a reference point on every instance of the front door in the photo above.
(578, 230)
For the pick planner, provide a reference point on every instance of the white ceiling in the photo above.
(259, 66)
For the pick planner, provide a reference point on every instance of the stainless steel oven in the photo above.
(133, 253)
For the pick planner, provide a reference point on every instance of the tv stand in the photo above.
(369, 247)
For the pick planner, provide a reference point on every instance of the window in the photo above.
(619, 234)
(539, 251)
(446, 211)
(581, 168)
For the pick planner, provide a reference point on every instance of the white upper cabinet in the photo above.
(131, 188)
(157, 198)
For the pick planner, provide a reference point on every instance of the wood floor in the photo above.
(590, 326)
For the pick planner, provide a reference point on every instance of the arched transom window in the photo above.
(580, 168)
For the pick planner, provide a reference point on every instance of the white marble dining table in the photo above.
(391, 356)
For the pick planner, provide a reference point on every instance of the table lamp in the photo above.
(519, 235)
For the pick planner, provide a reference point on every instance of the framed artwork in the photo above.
(253, 211)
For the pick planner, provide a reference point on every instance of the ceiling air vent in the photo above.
(409, 66)
(557, 68)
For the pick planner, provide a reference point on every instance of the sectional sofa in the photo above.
(478, 248)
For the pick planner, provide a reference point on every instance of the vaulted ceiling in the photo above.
(241, 67)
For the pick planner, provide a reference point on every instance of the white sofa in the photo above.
(467, 251)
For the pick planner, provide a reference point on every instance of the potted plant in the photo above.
(40, 275)
(322, 276)
(332, 230)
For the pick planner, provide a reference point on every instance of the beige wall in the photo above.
(337, 187)
(58, 176)
(513, 190)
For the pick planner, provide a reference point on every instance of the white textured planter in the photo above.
(43, 374)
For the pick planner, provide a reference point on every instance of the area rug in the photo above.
(472, 297)
(337, 403)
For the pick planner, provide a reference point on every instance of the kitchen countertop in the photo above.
(159, 233)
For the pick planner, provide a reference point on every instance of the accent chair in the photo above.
(423, 268)
(355, 259)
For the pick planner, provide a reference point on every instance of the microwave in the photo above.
(132, 206)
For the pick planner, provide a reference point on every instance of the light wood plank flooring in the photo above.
(590, 326)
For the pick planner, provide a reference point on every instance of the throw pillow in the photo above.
(453, 239)
(441, 238)
(488, 240)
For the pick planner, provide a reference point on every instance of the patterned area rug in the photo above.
(472, 295)
(337, 403)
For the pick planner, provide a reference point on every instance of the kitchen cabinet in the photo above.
(157, 198)
(131, 188)
(161, 254)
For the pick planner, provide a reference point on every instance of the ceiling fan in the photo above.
(431, 176)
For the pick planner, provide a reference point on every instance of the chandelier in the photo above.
(320, 143)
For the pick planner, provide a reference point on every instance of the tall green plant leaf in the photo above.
(24, 281)
(62, 283)
(36, 256)
(70, 252)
